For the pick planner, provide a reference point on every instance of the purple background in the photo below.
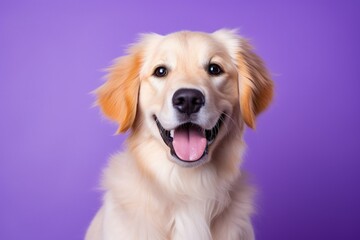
(304, 156)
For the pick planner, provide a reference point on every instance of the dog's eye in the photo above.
(160, 71)
(214, 69)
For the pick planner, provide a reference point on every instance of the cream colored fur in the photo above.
(148, 196)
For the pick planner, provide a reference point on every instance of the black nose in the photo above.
(188, 101)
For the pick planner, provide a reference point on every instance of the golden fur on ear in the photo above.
(118, 96)
(256, 86)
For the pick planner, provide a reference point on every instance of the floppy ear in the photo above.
(255, 84)
(118, 96)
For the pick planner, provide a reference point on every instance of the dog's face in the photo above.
(189, 90)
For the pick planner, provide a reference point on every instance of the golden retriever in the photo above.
(185, 99)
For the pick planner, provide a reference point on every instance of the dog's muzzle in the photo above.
(189, 143)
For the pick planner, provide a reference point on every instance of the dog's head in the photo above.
(188, 89)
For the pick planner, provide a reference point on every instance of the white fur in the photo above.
(148, 196)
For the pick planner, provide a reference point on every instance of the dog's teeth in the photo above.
(172, 133)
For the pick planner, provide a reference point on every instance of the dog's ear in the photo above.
(118, 96)
(255, 84)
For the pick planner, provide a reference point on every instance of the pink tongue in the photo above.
(189, 143)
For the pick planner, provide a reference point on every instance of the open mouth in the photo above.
(189, 142)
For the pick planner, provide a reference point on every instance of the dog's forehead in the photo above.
(194, 41)
(193, 47)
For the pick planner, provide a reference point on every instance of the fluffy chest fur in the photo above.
(206, 207)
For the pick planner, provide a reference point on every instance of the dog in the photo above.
(185, 99)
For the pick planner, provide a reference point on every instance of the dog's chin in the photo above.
(189, 143)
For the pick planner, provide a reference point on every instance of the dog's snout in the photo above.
(188, 101)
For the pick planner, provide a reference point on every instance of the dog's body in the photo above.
(186, 98)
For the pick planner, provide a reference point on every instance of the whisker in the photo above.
(231, 119)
